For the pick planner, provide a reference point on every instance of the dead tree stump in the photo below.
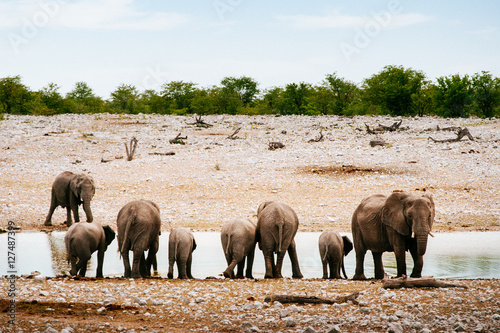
(233, 136)
(460, 134)
(178, 139)
(200, 122)
(133, 147)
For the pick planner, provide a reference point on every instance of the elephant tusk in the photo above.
(431, 234)
(413, 234)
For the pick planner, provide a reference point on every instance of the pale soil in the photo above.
(212, 179)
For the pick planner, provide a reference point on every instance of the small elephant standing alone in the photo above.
(397, 223)
(238, 242)
(139, 225)
(83, 239)
(332, 249)
(70, 190)
(181, 244)
(276, 228)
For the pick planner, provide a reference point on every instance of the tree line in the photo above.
(395, 91)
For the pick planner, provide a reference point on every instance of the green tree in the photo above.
(52, 99)
(126, 99)
(178, 95)
(486, 90)
(244, 87)
(83, 100)
(15, 97)
(342, 91)
(392, 90)
(453, 96)
(295, 98)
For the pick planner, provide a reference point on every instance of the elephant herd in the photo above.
(396, 223)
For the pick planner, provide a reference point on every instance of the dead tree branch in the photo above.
(168, 153)
(312, 299)
(275, 145)
(133, 147)
(382, 128)
(427, 281)
(374, 143)
(178, 139)
(319, 138)
(233, 136)
(460, 134)
(200, 122)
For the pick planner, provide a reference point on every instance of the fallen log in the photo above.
(200, 122)
(460, 134)
(178, 139)
(318, 139)
(168, 153)
(383, 128)
(275, 145)
(312, 299)
(234, 136)
(374, 143)
(427, 281)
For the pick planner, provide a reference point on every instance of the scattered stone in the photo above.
(290, 322)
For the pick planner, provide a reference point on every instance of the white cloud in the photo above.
(88, 15)
(348, 21)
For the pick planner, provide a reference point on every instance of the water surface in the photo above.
(449, 255)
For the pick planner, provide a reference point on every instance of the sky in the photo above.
(148, 43)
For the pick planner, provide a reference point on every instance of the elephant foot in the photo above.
(359, 277)
(228, 275)
(170, 275)
(416, 275)
(136, 276)
(297, 276)
(48, 223)
(267, 276)
(155, 273)
(250, 276)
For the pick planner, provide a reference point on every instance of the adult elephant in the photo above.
(70, 190)
(277, 225)
(181, 244)
(332, 249)
(238, 242)
(395, 223)
(83, 239)
(139, 226)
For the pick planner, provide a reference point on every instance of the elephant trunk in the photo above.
(421, 244)
(87, 210)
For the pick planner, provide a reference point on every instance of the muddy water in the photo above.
(449, 255)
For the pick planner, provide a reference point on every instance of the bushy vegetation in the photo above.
(395, 91)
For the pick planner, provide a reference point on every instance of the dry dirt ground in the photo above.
(211, 179)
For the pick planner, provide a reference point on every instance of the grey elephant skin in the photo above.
(395, 223)
(83, 239)
(181, 244)
(333, 248)
(70, 190)
(277, 225)
(139, 225)
(238, 242)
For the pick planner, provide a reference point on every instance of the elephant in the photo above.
(277, 225)
(238, 242)
(181, 244)
(83, 239)
(332, 249)
(395, 223)
(139, 225)
(70, 190)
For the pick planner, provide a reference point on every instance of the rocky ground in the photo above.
(211, 179)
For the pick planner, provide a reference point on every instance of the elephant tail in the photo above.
(326, 253)
(281, 222)
(343, 268)
(228, 245)
(130, 218)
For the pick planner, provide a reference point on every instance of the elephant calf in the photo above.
(70, 190)
(238, 242)
(83, 239)
(181, 244)
(332, 249)
(139, 225)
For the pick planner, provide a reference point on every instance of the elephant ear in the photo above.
(109, 234)
(76, 185)
(262, 206)
(347, 245)
(392, 213)
(433, 208)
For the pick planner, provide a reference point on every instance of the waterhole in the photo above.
(449, 255)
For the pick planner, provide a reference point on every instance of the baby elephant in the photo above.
(238, 242)
(83, 239)
(333, 248)
(181, 245)
(70, 190)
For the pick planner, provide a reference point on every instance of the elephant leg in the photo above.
(181, 268)
(229, 272)
(400, 260)
(69, 221)
(270, 267)
(82, 267)
(360, 259)
(75, 213)
(334, 270)
(279, 264)
(325, 269)
(136, 263)
(241, 267)
(379, 267)
(250, 259)
(188, 266)
(292, 253)
(53, 205)
(126, 263)
(418, 262)
(100, 260)
(73, 260)
(143, 266)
